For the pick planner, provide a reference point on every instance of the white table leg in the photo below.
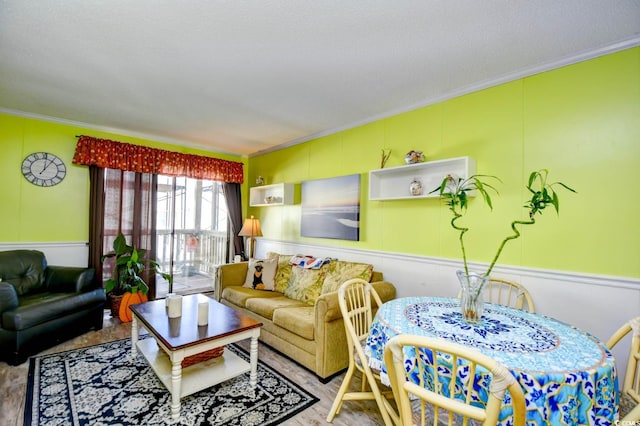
(253, 377)
(134, 337)
(176, 382)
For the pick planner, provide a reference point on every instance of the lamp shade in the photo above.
(251, 228)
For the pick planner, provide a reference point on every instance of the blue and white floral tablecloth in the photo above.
(568, 375)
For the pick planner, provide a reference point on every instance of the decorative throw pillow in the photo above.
(305, 284)
(340, 271)
(283, 272)
(261, 274)
(309, 262)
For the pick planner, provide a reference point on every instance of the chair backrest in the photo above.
(355, 299)
(508, 293)
(631, 383)
(439, 360)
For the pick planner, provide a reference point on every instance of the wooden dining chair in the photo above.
(508, 293)
(435, 400)
(355, 298)
(629, 409)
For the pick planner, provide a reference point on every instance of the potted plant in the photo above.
(455, 191)
(127, 286)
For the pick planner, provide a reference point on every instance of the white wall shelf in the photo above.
(393, 183)
(277, 194)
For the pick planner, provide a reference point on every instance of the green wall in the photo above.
(582, 122)
(60, 213)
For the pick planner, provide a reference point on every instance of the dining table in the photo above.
(568, 375)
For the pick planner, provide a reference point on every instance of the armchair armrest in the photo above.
(8, 298)
(328, 308)
(69, 279)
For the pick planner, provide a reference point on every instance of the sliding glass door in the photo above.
(191, 232)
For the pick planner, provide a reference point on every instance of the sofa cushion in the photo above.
(239, 295)
(261, 274)
(305, 284)
(340, 271)
(298, 320)
(265, 306)
(283, 272)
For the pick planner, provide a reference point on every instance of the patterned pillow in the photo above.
(261, 274)
(340, 271)
(305, 284)
(283, 272)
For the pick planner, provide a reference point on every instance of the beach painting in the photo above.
(331, 208)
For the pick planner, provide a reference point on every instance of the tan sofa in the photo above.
(312, 335)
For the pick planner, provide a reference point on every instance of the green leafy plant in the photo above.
(130, 263)
(455, 191)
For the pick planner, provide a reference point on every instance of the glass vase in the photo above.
(471, 300)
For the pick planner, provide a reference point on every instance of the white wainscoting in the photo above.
(597, 304)
(57, 253)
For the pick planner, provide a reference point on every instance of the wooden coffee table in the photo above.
(178, 339)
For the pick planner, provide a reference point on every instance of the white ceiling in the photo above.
(243, 76)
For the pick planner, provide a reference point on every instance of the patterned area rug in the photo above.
(102, 385)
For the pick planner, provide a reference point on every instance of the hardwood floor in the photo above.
(13, 383)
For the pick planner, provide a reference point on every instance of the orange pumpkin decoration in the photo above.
(127, 300)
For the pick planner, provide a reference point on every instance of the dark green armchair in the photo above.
(43, 305)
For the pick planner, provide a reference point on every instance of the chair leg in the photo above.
(337, 402)
(381, 401)
(363, 388)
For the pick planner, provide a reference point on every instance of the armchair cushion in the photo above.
(24, 269)
(39, 308)
(8, 298)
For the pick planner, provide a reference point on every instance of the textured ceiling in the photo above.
(244, 76)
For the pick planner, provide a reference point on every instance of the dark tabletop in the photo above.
(184, 331)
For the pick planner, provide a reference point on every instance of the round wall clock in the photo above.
(43, 169)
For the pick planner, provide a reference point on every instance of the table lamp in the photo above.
(251, 229)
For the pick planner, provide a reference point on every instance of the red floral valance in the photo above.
(134, 158)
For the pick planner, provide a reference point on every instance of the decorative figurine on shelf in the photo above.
(259, 180)
(415, 187)
(385, 157)
(413, 157)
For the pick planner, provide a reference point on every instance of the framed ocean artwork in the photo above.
(331, 208)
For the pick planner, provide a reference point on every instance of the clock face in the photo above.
(43, 169)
